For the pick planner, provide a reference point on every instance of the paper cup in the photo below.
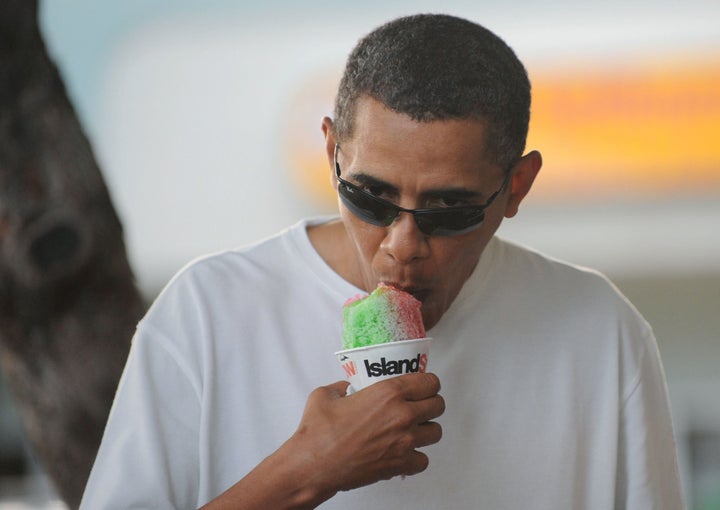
(367, 365)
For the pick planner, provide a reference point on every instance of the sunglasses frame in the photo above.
(383, 213)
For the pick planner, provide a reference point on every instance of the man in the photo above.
(553, 392)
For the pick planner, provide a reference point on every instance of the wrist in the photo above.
(308, 483)
(286, 480)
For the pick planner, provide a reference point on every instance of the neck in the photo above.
(332, 243)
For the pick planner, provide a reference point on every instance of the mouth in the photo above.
(421, 294)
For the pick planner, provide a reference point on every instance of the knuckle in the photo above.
(403, 418)
(406, 442)
(312, 400)
(395, 386)
(388, 390)
(317, 394)
(402, 444)
(432, 382)
(320, 390)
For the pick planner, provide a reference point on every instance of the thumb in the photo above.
(337, 389)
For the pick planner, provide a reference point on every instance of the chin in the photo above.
(430, 319)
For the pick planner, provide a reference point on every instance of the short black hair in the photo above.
(436, 67)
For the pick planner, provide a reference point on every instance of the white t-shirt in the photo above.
(555, 394)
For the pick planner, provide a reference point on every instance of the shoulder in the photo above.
(213, 281)
(575, 303)
(553, 274)
(554, 287)
(236, 282)
(221, 269)
(531, 261)
(212, 294)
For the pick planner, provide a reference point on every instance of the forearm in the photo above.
(286, 480)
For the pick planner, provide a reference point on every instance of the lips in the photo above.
(417, 292)
(420, 295)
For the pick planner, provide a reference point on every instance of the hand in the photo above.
(352, 441)
(344, 442)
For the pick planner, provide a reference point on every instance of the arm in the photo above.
(345, 442)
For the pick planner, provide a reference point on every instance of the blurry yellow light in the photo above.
(650, 130)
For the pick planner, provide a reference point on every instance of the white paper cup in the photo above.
(367, 365)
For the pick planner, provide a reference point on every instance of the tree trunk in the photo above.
(68, 302)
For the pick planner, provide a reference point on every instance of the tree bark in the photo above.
(68, 302)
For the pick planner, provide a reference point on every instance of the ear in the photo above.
(522, 180)
(330, 141)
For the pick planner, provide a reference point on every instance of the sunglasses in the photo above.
(441, 221)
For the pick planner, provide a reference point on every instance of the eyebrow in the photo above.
(456, 193)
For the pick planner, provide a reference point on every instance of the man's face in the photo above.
(417, 165)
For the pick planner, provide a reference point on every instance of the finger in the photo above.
(417, 462)
(417, 386)
(337, 389)
(426, 434)
(428, 409)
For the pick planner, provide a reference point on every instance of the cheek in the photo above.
(460, 267)
(461, 250)
(457, 260)
(365, 238)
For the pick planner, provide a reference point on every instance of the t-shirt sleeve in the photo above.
(149, 454)
(647, 459)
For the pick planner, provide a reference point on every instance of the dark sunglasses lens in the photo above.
(449, 223)
(435, 223)
(366, 207)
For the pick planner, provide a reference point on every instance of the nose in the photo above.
(404, 242)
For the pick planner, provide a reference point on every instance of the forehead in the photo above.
(381, 134)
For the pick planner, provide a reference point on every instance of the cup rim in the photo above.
(384, 344)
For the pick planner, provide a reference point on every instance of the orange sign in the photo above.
(628, 130)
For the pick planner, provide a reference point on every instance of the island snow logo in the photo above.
(349, 367)
(395, 367)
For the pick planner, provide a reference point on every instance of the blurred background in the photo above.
(205, 119)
